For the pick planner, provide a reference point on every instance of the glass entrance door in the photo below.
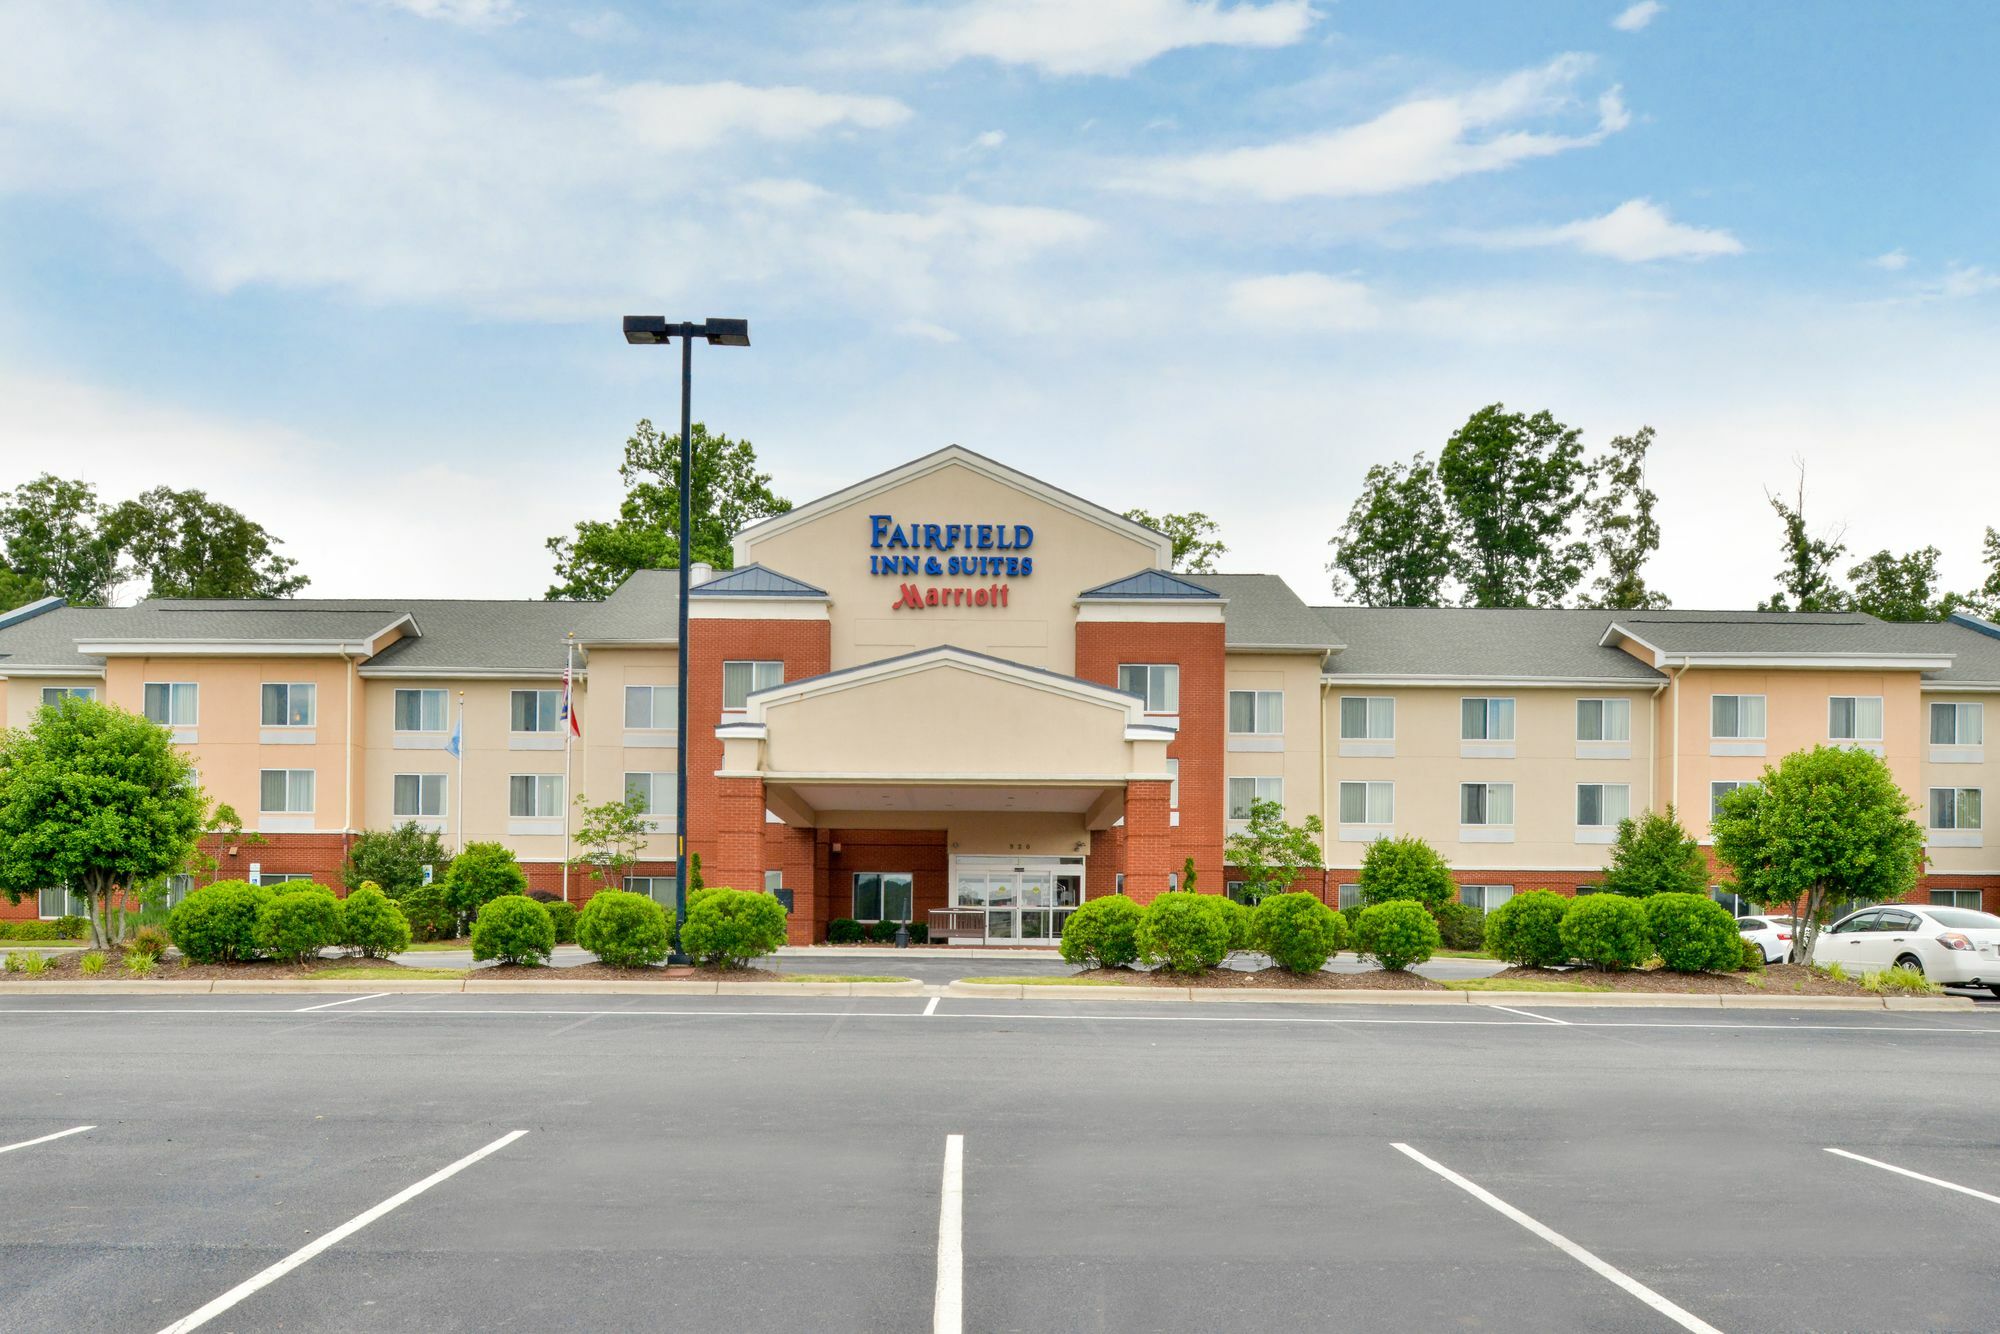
(1037, 890)
(1024, 904)
(1003, 915)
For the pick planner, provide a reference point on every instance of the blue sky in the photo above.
(356, 266)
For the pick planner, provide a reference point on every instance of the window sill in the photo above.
(183, 736)
(285, 822)
(659, 824)
(535, 741)
(1485, 833)
(1958, 754)
(1246, 742)
(434, 823)
(653, 739)
(1955, 838)
(287, 736)
(1368, 749)
(1604, 750)
(536, 825)
(419, 740)
(1732, 747)
(1365, 833)
(1486, 750)
(1872, 747)
(1595, 834)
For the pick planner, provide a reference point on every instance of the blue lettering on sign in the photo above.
(886, 535)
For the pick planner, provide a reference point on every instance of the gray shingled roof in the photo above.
(1976, 659)
(1264, 612)
(321, 619)
(48, 641)
(1457, 643)
(1148, 584)
(1844, 633)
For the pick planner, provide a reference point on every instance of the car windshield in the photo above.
(1963, 919)
(1750, 923)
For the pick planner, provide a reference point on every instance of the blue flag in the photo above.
(457, 733)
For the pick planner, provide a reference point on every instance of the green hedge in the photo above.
(728, 928)
(845, 931)
(1184, 932)
(1103, 933)
(563, 917)
(1462, 926)
(372, 924)
(218, 923)
(1396, 869)
(1607, 931)
(429, 913)
(1298, 931)
(61, 928)
(513, 928)
(298, 924)
(1397, 934)
(626, 930)
(1692, 933)
(1527, 930)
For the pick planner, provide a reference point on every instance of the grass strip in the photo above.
(1518, 984)
(836, 977)
(386, 973)
(1040, 981)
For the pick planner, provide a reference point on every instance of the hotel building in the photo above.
(956, 694)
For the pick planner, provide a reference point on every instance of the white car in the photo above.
(1773, 935)
(1956, 947)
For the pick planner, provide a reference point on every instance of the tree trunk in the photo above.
(1807, 929)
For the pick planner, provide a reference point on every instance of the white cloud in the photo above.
(677, 117)
(1634, 17)
(990, 139)
(1305, 300)
(1895, 261)
(1420, 142)
(1963, 280)
(1637, 231)
(467, 13)
(1097, 37)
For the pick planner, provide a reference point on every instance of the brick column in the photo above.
(738, 835)
(1149, 844)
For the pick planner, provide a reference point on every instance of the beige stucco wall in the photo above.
(1297, 675)
(23, 694)
(1984, 775)
(1428, 766)
(1038, 626)
(607, 757)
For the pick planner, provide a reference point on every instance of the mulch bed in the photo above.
(604, 972)
(1779, 979)
(1268, 977)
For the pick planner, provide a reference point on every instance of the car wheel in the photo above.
(1911, 963)
(1995, 991)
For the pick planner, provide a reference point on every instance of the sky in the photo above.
(357, 266)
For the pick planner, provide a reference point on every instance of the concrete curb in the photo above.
(1613, 999)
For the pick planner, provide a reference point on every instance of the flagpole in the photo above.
(459, 782)
(569, 731)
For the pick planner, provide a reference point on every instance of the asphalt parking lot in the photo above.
(781, 1164)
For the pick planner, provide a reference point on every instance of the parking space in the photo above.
(771, 1163)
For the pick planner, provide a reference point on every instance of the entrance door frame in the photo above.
(1057, 867)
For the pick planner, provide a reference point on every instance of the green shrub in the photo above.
(1834, 972)
(373, 925)
(920, 933)
(882, 933)
(28, 930)
(1242, 924)
(35, 963)
(480, 874)
(625, 930)
(1607, 931)
(1889, 981)
(151, 940)
(1527, 930)
(1298, 931)
(730, 927)
(1352, 912)
(563, 917)
(1183, 932)
(15, 963)
(218, 923)
(1692, 933)
(1753, 956)
(93, 963)
(1103, 933)
(429, 912)
(1397, 934)
(844, 931)
(298, 924)
(513, 928)
(71, 927)
(1461, 926)
(139, 963)
(1396, 869)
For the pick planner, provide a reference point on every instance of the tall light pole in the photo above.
(721, 333)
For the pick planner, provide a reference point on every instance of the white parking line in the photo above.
(196, 1319)
(1919, 1176)
(931, 1009)
(1565, 1245)
(330, 1004)
(30, 1143)
(1543, 1017)
(948, 1311)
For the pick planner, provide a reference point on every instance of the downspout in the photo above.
(1674, 769)
(1325, 784)
(347, 813)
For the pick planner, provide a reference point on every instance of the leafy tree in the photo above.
(98, 799)
(1512, 484)
(1621, 524)
(1187, 875)
(1985, 599)
(611, 834)
(481, 873)
(55, 538)
(1654, 855)
(18, 590)
(1394, 550)
(1196, 538)
(1805, 580)
(1825, 826)
(1405, 868)
(727, 493)
(187, 546)
(394, 859)
(1269, 853)
(1902, 588)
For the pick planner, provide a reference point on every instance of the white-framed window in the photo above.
(290, 703)
(419, 710)
(285, 791)
(1158, 683)
(658, 888)
(1486, 803)
(1955, 898)
(1174, 785)
(1486, 719)
(1367, 803)
(535, 711)
(1348, 896)
(1717, 791)
(1485, 897)
(1367, 718)
(1736, 717)
(52, 695)
(882, 896)
(1602, 805)
(173, 703)
(1604, 720)
(1256, 712)
(534, 796)
(1955, 807)
(1951, 724)
(178, 888)
(1735, 904)
(740, 679)
(654, 789)
(417, 796)
(1854, 717)
(284, 877)
(773, 881)
(652, 707)
(1243, 791)
(57, 901)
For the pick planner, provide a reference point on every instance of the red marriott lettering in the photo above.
(916, 599)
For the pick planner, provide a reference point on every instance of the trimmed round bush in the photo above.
(429, 913)
(372, 925)
(730, 927)
(1607, 931)
(1397, 934)
(298, 924)
(1184, 932)
(1527, 930)
(1753, 956)
(1692, 933)
(151, 940)
(1462, 926)
(1242, 925)
(71, 927)
(218, 923)
(1395, 869)
(513, 928)
(563, 917)
(480, 874)
(625, 930)
(844, 931)
(920, 933)
(882, 933)
(1103, 933)
(1298, 931)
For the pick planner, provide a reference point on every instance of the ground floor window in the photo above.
(658, 888)
(1737, 905)
(1485, 897)
(283, 877)
(1234, 890)
(57, 901)
(1955, 898)
(178, 888)
(1350, 896)
(882, 896)
(774, 885)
